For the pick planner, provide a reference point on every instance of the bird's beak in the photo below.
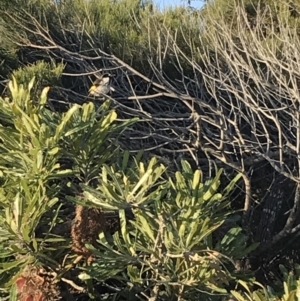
(92, 88)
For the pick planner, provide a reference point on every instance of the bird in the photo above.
(101, 86)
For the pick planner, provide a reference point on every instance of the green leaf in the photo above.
(44, 98)
(61, 127)
(53, 151)
(196, 179)
(125, 160)
(134, 275)
(145, 227)
(213, 186)
(231, 185)
(238, 296)
(31, 83)
(6, 266)
(84, 276)
(39, 158)
(141, 182)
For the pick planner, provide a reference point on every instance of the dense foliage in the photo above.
(183, 184)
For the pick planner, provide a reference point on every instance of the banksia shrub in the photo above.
(41, 153)
(167, 250)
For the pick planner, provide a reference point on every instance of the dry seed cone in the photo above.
(35, 284)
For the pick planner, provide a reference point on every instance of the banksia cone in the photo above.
(35, 284)
(87, 225)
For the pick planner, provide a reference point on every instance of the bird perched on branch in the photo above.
(101, 86)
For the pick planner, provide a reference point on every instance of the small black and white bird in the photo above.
(101, 86)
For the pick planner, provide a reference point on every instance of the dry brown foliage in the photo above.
(35, 284)
(87, 224)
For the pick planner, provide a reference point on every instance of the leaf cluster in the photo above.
(167, 249)
(35, 145)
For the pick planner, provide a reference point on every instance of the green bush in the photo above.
(167, 251)
(45, 74)
(35, 145)
(288, 290)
